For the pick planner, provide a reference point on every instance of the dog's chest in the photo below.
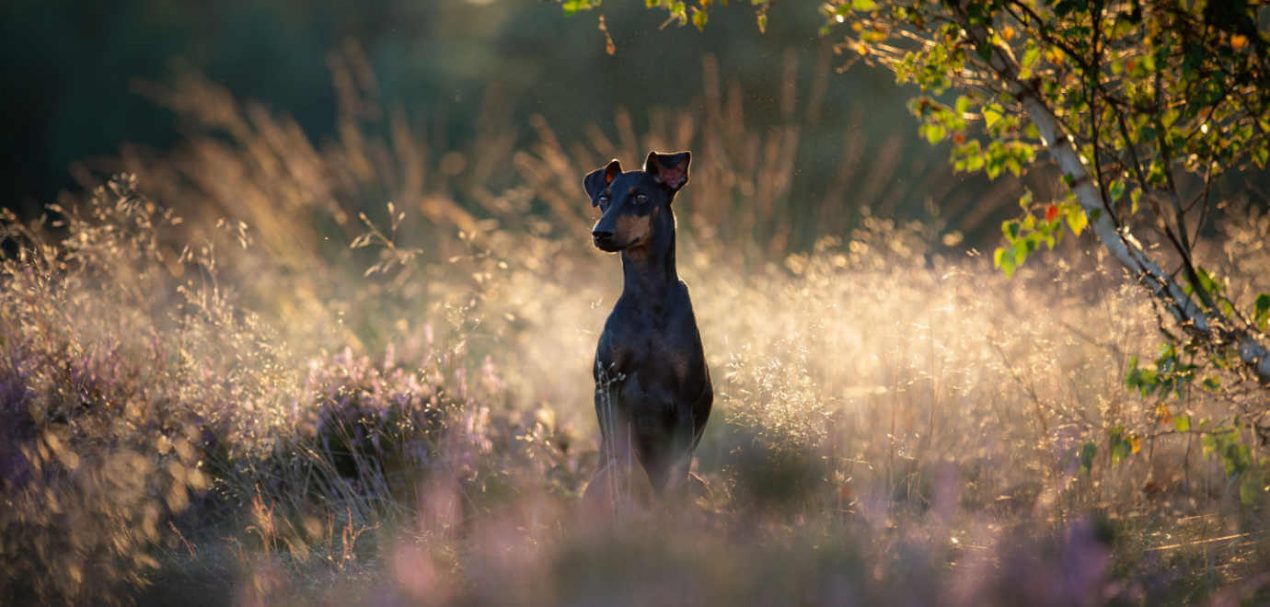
(662, 350)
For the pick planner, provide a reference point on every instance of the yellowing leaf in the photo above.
(1031, 57)
(991, 117)
(1077, 220)
(699, 18)
(935, 133)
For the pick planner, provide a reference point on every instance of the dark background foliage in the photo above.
(72, 72)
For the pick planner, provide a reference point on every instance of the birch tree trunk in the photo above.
(1117, 239)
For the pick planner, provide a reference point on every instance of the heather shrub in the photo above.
(138, 396)
(102, 446)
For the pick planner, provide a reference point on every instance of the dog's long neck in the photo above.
(649, 271)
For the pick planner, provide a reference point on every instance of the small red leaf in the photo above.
(1051, 212)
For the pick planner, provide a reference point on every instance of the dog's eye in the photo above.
(604, 200)
(641, 198)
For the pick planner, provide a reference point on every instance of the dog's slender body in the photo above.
(653, 392)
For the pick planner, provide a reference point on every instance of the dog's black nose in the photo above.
(603, 240)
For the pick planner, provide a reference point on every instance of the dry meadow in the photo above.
(241, 375)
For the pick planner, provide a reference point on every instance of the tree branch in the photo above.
(1118, 241)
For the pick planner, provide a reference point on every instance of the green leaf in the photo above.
(864, 5)
(1261, 311)
(1010, 228)
(1142, 379)
(1252, 488)
(1235, 456)
(1120, 444)
(1116, 190)
(984, 50)
(1182, 423)
(1022, 247)
(1007, 259)
(1207, 281)
(1088, 451)
(1030, 57)
(1261, 157)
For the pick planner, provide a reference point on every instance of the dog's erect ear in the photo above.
(599, 179)
(670, 170)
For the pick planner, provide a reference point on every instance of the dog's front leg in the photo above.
(612, 487)
(684, 441)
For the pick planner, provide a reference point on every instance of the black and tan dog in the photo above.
(653, 392)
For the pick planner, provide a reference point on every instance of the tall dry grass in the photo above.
(240, 407)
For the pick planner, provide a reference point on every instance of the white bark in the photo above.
(1118, 241)
(1255, 356)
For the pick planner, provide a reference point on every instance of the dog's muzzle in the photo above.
(604, 241)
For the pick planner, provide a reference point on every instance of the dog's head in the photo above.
(631, 202)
